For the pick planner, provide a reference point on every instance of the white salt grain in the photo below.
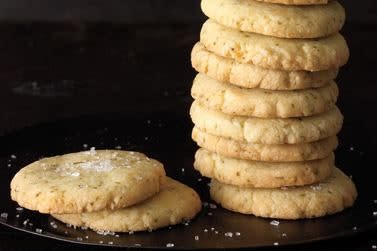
(238, 233)
(228, 234)
(276, 243)
(38, 230)
(13, 156)
(196, 237)
(274, 223)
(170, 245)
(212, 206)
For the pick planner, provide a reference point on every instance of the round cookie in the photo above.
(277, 20)
(234, 100)
(267, 131)
(275, 53)
(175, 203)
(295, 2)
(87, 181)
(260, 174)
(251, 76)
(328, 197)
(263, 152)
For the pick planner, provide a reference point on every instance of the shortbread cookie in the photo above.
(328, 197)
(175, 203)
(295, 2)
(261, 174)
(267, 131)
(261, 103)
(275, 53)
(263, 152)
(87, 181)
(251, 76)
(277, 20)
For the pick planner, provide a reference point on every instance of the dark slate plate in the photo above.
(167, 138)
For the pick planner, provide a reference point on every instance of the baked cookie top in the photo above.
(275, 53)
(252, 76)
(175, 203)
(87, 181)
(328, 197)
(267, 131)
(277, 20)
(234, 100)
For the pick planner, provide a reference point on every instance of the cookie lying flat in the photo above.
(87, 181)
(246, 173)
(251, 76)
(267, 131)
(261, 103)
(263, 152)
(295, 2)
(175, 203)
(331, 196)
(275, 53)
(277, 20)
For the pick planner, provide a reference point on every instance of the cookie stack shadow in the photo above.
(265, 109)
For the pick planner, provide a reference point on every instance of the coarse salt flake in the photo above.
(237, 233)
(170, 245)
(38, 230)
(274, 223)
(196, 237)
(229, 234)
(276, 243)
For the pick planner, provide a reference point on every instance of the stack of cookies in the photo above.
(117, 191)
(264, 110)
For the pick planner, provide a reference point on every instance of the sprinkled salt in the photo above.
(98, 166)
(212, 206)
(229, 234)
(276, 243)
(216, 232)
(146, 138)
(137, 245)
(105, 232)
(79, 238)
(13, 156)
(75, 174)
(132, 232)
(17, 216)
(118, 147)
(374, 247)
(212, 228)
(316, 187)
(148, 121)
(238, 233)
(38, 230)
(352, 148)
(284, 235)
(374, 214)
(375, 201)
(92, 151)
(274, 223)
(110, 243)
(101, 242)
(30, 224)
(183, 170)
(205, 204)
(199, 179)
(86, 237)
(9, 165)
(84, 228)
(170, 245)
(85, 145)
(117, 235)
(25, 222)
(19, 209)
(210, 214)
(354, 228)
(196, 237)
(205, 230)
